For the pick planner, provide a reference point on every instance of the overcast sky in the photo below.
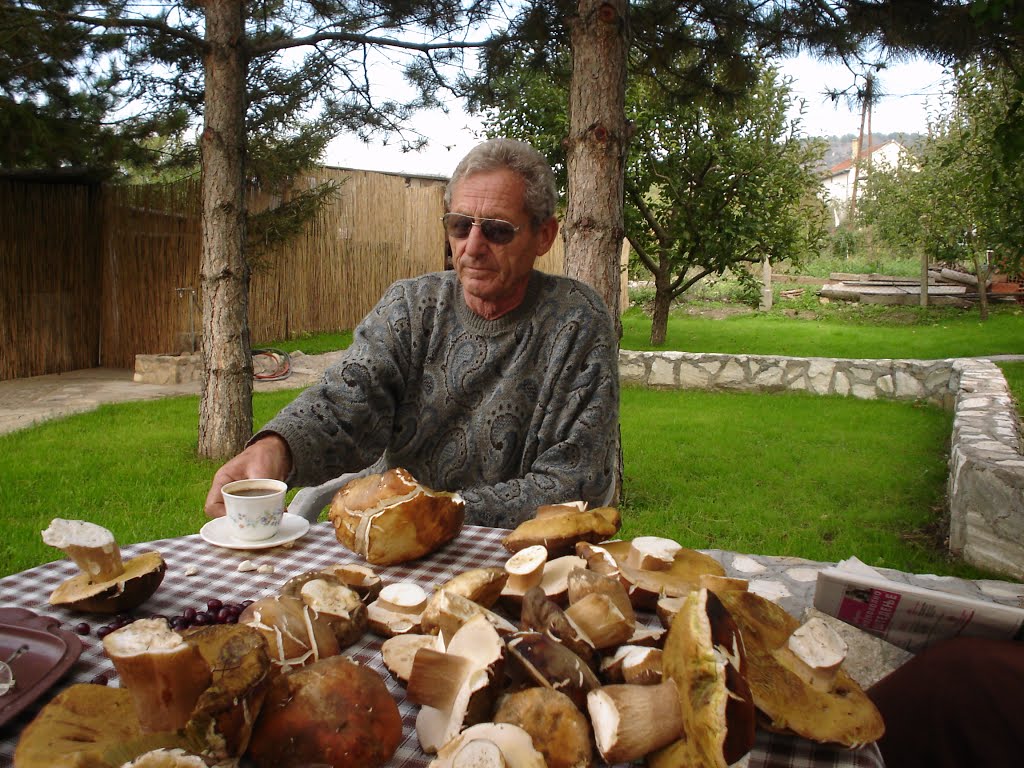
(910, 93)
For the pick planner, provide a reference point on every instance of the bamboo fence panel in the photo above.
(95, 279)
(49, 257)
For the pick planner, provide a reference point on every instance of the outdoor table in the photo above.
(215, 574)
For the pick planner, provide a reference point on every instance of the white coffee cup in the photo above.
(254, 507)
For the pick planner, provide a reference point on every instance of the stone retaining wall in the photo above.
(986, 466)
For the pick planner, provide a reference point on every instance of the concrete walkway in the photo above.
(24, 402)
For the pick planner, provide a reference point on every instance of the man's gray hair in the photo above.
(519, 157)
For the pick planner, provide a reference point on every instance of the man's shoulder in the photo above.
(569, 289)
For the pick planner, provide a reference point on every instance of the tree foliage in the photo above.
(965, 197)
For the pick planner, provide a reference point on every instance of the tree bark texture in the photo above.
(596, 147)
(225, 411)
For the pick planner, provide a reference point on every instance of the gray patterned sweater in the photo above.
(512, 413)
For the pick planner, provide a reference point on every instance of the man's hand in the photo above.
(267, 457)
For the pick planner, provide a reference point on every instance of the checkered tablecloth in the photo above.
(216, 575)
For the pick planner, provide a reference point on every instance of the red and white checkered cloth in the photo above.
(216, 575)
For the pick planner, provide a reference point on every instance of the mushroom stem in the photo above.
(436, 677)
(814, 652)
(164, 675)
(479, 753)
(632, 720)
(91, 546)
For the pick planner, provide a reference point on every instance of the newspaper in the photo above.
(910, 615)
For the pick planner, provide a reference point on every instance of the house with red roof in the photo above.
(838, 182)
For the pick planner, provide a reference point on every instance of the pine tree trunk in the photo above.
(225, 411)
(596, 147)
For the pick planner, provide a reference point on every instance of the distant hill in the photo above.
(840, 148)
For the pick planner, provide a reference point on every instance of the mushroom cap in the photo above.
(142, 575)
(545, 661)
(844, 715)
(334, 712)
(559, 730)
(701, 647)
(560, 533)
(391, 518)
(680, 578)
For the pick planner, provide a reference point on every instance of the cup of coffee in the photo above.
(254, 507)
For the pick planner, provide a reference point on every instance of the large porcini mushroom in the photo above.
(559, 533)
(542, 660)
(457, 688)
(391, 518)
(398, 609)
(842, 714)
(560, 732)
(105, 584)
(296, 634)
(333, 713)
(489, 745)
(338, 605)
(164, 674)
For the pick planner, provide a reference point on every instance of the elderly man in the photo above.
(494, 380)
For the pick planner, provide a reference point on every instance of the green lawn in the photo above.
(785, 474)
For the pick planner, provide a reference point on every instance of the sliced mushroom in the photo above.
(599, 559)
(633, 664)
(560, 732)
(525, 570)
(339, 606)
(814, 652)
(560, 533)
(398, 653)
(551, 510)
(398, 609)
(447, 611)
(555, 581)
(361, 578)
(541, 614)
(489, 745)
(481, 586)
(473, 669)
(652, 553)
(631, 721)
(105, 584)
(545, 661)
(843, 715)
(601, 620)
(164, 674)
(582, 582)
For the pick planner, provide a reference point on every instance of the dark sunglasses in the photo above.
(497, 231)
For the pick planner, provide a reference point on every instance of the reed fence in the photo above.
(95, 275)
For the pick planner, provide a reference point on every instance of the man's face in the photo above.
(494, 277)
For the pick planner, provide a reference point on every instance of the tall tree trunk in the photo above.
(225, 411)
(596, 147)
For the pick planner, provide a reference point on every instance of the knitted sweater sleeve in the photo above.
(343, 423)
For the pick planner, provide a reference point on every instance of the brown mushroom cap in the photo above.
(680, 578)
(140, 579)
(560, 533)
(334, 712)
(559, 730)
(390, 518)
(844, 715)
(544, 661)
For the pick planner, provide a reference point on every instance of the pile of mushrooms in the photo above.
(560, 658)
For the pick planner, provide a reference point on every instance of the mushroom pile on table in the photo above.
(581, 649)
